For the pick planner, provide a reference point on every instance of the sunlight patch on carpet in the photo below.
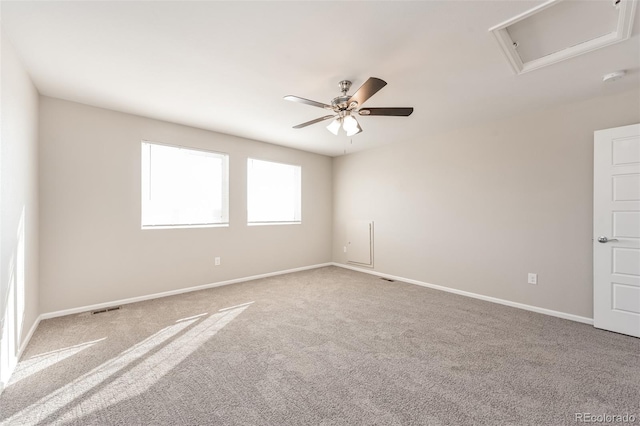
(68, 394)
(152, 368)
(41, 361)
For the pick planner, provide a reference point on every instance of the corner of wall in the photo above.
(19, 217)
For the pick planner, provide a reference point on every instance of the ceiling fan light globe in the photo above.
(334, 127)
(354, 130)
(350, 124)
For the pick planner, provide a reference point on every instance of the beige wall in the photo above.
(92, 247)
(479, 208)
(18, 206)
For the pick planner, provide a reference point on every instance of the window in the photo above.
(183, 187)
(273, 192)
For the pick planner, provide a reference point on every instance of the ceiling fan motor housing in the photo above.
(340, 103)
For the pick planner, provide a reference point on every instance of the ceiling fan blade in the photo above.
(317, 120)
(307, 101)
(394, 112)
(367, 90)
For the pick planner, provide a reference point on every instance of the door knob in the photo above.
(606, 240)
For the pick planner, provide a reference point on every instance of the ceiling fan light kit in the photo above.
(345, 107)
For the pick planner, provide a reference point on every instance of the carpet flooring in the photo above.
(327, 346)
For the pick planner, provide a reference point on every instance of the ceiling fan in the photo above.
(344, 107)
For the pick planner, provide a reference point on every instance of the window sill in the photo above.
(273, 223)
(212, 225)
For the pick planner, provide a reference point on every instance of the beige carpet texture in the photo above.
(327, 346)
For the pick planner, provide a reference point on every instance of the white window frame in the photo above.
(299, 196)
(224, 222)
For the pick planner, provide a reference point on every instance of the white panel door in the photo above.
(616, 227)
(360, 244)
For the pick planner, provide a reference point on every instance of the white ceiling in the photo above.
(225, 66)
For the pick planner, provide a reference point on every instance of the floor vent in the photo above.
(388, 279)
(100, 311)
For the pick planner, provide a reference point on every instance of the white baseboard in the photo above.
(27, 338)
(23, 346)
(539, 310)
(173, 292)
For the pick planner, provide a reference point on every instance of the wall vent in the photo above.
(561, 29)
(112, 308)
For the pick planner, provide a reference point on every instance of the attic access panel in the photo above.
(559, 30)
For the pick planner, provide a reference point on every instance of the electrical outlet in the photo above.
(217, 260)
(344, 249)
(532, 278)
